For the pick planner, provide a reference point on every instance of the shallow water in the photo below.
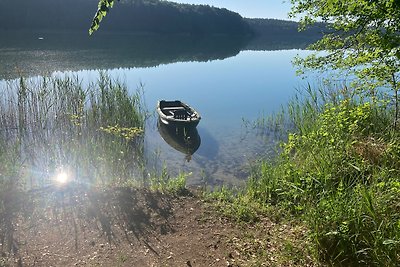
(227, 93)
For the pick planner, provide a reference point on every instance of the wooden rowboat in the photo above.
(177, 113)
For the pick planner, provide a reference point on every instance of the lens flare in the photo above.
(62, 178)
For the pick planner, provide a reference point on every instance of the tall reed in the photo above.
(94, 132)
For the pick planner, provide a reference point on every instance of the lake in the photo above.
(225, 79)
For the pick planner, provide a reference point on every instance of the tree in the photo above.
(364, 40)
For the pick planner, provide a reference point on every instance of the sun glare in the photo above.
(62, 178)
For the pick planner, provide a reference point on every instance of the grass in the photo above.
(173, 185)
(338, 173)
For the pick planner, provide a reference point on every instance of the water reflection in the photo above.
(26, 55)
(184, 139)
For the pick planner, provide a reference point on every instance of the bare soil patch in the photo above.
(134, 227)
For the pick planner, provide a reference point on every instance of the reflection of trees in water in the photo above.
(273, 34)
(24, 54)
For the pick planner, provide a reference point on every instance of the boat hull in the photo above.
(185, 140)
(178, 114)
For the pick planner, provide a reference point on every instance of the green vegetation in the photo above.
(338, 173)
(52, 125)
(163, 182)
(102, 10)
(364, 42)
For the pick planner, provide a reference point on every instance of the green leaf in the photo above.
(390, 242)
(364, 42)
(102, 11)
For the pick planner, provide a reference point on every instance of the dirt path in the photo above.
(131, 227)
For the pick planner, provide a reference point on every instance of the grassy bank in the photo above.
(338, 174)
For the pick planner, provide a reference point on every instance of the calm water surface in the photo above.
(227, 89)
(226, 93)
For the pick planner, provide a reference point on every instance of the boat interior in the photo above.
(177, 110)
(179, 113)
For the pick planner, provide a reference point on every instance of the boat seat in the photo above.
(180, 114)
(172, 108)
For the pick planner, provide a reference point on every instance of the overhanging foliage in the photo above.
(364, 40)
(102, 10)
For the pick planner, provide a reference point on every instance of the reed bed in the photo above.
(92, 133)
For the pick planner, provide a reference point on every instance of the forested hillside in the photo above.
(278, 28)
(282, 34)
(133, 16)
(154, 17)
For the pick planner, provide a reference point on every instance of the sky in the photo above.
(277, 9)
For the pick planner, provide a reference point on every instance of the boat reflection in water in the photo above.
(185, 139)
